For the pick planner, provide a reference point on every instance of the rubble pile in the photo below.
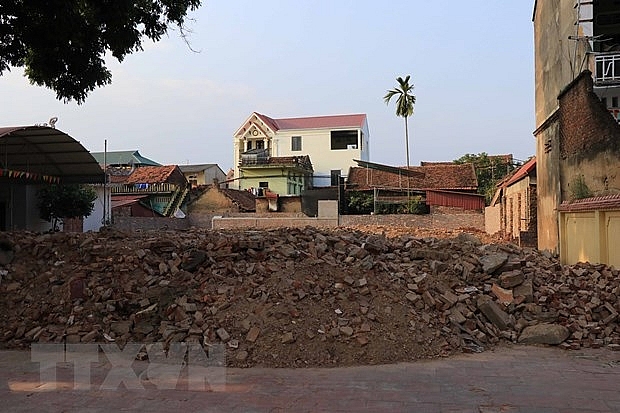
(300, 297)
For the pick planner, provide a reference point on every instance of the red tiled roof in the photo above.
(302, 161)
(151, 174)
(434, 176)
(315, 122)
(522, 172)
(591, 204)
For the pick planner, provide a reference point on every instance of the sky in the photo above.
(471, 63)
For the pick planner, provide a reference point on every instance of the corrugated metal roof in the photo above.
(123, 158)
(197, 167)
(47, 151)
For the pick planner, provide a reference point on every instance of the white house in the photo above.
(331, 142)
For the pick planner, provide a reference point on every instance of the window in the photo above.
(296, 143)
(260, 144)
(614, 102)
(249, 146)
(344, 139)
(263, 184)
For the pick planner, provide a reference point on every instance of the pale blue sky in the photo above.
(471, 63)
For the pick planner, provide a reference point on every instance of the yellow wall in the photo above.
(592, 236)
(277, 179)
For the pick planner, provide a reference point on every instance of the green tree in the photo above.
(489, 171)
(359, 203)
(405, 102)
(56, 202)
(62, 43)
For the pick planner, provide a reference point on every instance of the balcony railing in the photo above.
(255, 157)
(607, 68)
(159, 188)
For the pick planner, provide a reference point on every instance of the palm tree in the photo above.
(404, 105)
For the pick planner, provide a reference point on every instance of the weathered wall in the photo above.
(439, 221)
(556, 61)
(288, 204)
(590, 236)
(149, 223)
(212, 201)
(492, 219)
(548, 183)
(262, 223)
(590, 145)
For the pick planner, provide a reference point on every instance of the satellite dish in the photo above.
(53, 121)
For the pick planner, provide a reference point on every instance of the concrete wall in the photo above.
(592, 236)
(492, 219)
(149, 223)
(556, 60)
(438, 221)
(328, 217)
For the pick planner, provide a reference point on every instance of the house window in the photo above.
(614, 102)
(263, 184)
(344, 139)
(248, 146)
(604, 100)
(260, 144)
(335, 176)
(296, 143)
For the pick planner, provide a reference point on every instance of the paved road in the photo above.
(514, 379)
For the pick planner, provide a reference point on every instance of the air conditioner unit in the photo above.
(352, 146)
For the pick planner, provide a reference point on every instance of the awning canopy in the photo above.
(46, 151)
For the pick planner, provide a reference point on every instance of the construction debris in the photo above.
(301, 297)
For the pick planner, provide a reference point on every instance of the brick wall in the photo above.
(587, 128)
(149, 223)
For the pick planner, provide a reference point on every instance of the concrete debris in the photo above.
(301, 297)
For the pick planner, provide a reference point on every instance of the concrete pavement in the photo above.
(511, 379)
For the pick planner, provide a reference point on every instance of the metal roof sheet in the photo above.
(47, 151)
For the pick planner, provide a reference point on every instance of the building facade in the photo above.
(331, 142)
(577, 66)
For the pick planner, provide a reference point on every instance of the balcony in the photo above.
(255, 157)
(607, 69)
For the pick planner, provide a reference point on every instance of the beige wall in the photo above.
(548, 186)
(492, 219)
(592, 236)
(517, 207)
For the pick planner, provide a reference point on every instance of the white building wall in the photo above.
(317, 144)
(95, 220)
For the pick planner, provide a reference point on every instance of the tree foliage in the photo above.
(62, 43)
(489, 171)
(56, 202)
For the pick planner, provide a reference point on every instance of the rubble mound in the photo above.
(301, 297)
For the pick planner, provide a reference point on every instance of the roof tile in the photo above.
(433, 176)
